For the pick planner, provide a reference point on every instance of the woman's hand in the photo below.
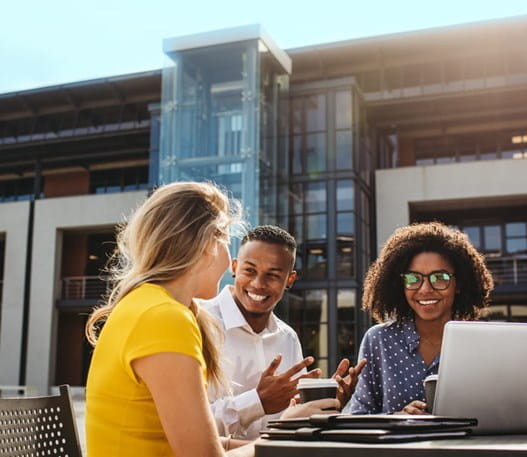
(323, 406)
(415, 407)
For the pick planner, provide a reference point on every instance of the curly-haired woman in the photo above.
(426, 275)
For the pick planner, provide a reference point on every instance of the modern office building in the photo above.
(340, 143)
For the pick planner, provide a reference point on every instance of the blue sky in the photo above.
(51, 42)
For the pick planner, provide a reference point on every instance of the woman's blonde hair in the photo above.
(165, 237)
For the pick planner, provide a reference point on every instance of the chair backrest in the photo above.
(39, 426)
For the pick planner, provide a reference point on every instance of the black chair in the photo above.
(39, 426)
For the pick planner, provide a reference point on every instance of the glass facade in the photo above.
(327, 210)
(302, 161)
(222, 119)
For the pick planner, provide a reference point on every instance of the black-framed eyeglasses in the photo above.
(439, 280)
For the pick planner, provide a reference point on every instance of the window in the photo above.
(492, 238)
(343, 135)
(345, 225)
(346, 303)
(118, 180)
(473, 146)
(516, 238)
(308, 120)
(17, 189)
(505, 247)
(308, 224)
(307, 312)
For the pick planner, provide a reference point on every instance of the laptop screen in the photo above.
(483, 374)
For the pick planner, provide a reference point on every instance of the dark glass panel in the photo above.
(307, 314)
(316, 227)
(516, 229)
(492, 236)
(315, 197)
(296, 156)
(345, 259)
(343, 109)
(315, 152)
(296, 110)
(315, 112)
(345, 223)
(316, 267)
(296, 228)
(516, 245)
(297, 198)
(346, 302)
(345, 195)
(343, 150)
(474, 234)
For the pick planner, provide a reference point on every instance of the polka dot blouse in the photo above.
(394, 374)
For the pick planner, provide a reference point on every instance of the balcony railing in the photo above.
(505, 271)
(83, 287)
(508, 270)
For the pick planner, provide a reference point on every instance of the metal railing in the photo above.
(505, 270)
(508, 270)
(83, 287)
(16, 391)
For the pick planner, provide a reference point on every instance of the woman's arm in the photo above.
(176, 384)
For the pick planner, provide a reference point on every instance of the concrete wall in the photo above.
(397, 189)
(14, 219)
(51, 217)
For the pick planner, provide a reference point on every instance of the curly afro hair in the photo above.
(383, 288)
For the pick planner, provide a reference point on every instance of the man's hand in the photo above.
(347, 377)
(276, 391)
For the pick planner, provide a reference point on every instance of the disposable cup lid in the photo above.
(432, 377)
(312, 383)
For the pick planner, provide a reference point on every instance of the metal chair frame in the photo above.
(39, 426)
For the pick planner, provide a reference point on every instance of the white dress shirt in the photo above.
(246, 355)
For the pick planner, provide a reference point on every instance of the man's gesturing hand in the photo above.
(276, 391)
(347, 377)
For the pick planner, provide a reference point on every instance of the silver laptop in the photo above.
(483, 374)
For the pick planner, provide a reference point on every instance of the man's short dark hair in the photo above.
(271, 234)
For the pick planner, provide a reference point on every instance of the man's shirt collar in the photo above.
(233, 317)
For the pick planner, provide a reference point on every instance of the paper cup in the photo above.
(316, 388)
(430, 384)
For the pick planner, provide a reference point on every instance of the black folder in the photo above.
(370, 435)
(376, 421)
(372, 428)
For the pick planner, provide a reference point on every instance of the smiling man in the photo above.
(264, 353)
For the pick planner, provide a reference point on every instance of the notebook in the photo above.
(483, 374)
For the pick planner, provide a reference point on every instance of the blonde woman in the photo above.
(145, 394)
(146, 391)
